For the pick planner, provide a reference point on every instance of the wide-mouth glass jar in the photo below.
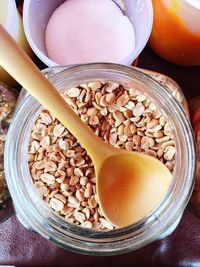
(37, 216)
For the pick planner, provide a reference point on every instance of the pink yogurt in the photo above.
(89, 31)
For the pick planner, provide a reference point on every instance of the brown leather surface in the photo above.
(22, 247)
(19, 246)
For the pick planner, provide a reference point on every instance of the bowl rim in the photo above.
(50, 63)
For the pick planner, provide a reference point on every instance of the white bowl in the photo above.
(37, 14)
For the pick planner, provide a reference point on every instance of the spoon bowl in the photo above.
(129, 184)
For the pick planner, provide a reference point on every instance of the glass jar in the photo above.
(37, 216)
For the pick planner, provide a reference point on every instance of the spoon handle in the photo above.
(15, 61)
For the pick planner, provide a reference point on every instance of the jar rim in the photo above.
(123, 239)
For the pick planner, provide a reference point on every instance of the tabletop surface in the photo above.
(19, 246)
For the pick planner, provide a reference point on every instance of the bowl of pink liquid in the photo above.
(67, 32)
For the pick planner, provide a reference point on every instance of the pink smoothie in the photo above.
(83, 31)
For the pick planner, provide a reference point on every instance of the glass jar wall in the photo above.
(36, 215)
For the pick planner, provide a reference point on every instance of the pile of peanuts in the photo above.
(61, 169)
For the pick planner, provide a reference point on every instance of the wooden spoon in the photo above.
(129, 184)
